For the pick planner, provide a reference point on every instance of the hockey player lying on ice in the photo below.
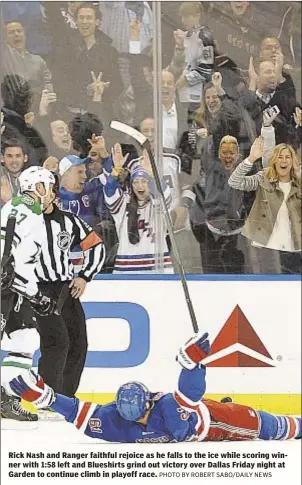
(139, 416)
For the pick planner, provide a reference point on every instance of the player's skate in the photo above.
(13, 415)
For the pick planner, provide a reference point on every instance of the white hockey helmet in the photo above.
(30, 177)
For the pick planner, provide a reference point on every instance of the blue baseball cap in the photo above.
(71, 161)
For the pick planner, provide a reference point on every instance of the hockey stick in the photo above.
(145, 144)
(9, 238)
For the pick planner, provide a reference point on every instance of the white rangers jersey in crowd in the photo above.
(140, 257)
(197, 55)
(171, 171)
(29, 236)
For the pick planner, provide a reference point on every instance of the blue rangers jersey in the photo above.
(181, 416)
(89, 205)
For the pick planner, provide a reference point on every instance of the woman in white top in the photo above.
(275, 218)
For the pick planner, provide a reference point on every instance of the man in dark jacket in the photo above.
(17, 97)
(92, 81)
(266, 91)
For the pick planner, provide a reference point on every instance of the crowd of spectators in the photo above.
(231, 126)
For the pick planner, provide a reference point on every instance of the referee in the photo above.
(63, 337)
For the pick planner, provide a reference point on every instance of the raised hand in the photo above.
(118, 158)
(279, 59)
(194, 351)
(252, 75)
(202, 132)
(297, 167)
(29, 118)
(297, 117)
(98, 147)
(46, 99)
(288, 69)
(217, 80)
(257, 149)
(98, 86)
(269, 115)
(52, 164)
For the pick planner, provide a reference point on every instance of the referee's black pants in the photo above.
(63, 343)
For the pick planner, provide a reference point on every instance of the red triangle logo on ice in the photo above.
(238, 345)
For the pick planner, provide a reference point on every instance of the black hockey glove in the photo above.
(7, 274)
(44, 305)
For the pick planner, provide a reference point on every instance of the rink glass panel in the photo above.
(208, 232)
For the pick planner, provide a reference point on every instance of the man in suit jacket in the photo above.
(266, 90)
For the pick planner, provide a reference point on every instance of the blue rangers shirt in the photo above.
(181, 416)
(89, 205)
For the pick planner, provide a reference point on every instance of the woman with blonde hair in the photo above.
(274, 221)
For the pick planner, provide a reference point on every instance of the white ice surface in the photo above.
(58, 432)
(51, 437)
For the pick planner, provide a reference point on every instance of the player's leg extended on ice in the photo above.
(236, 421)
(273, 427)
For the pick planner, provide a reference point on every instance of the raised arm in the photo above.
(114, 194)
(239, 179)
(91, 419)
(191, 383)
(190, 390)
(268, 133)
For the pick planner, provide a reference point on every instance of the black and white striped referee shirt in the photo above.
(64, 230)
